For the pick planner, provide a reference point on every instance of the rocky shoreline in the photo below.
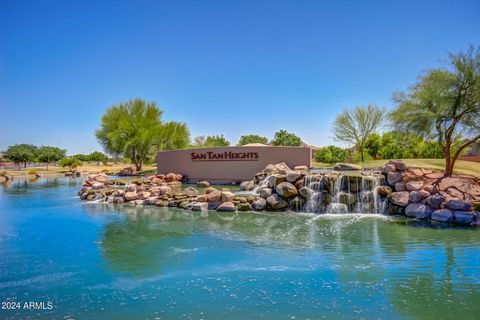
(394, 190)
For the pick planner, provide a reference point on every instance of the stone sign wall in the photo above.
(229, 164)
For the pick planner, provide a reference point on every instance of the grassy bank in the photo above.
(461, 167)
(86, 167)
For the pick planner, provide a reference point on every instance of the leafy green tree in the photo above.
(211, 141)
(252, 138)
(173, 135)
(373, 144)
(98, 157)
(444, 105)
(355, 125)
(70, 162)
(331, 154)
(82, 157)
(48, 154)
(21, 153)
(429, 149)
(395, 151)
(131, 129)
(285, 138)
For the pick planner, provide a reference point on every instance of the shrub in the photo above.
(105, 171)
(330, 154)
(32, 172)
(70, 162)
(395, 151)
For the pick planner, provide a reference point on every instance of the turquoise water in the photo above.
(99, 261)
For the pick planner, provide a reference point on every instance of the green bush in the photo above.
(395, 151)
(32, 172)
(429, 149)
(70, 162)
(331, 154)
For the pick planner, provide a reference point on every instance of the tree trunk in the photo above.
(361, 154)
(47, 166)
(25, 164)
(138, 166)
(448, 159)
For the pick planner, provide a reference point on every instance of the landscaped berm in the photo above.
(392, 189)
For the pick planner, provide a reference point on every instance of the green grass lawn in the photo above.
(461, 167)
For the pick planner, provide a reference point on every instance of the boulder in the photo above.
(203, 184)
(394, 177)
(243, 206)
(247, 185)
(191, 192)
(306, 192)
(389, 168)
(158, 181)
(200, 206)
(400, 186)
(286, 190)
(293, 176)
(435, 201)
(98, 185)
(214, 196)
(259, 204)
(265, 192)
(417, 196)
(282, 167)
(142, 195)
(170, 177)
(202, 198)
(442, 215)
(227, 196)
(131, 188)
(130, 195)
(463, 217)
(383, 191)
(414, 185)
(161, 203)
(164, 190)
(400, 199)
(399, 164)
(178, 177)
(150, 201)
(275, 179)
(270, 168)
(226, 207)
(297, 203)
(347, 167)
(418, 210)
(276, 203)
(209, 190)
(459, 205)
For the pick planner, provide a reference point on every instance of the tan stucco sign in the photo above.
(229, 164)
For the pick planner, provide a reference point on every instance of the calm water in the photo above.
(98, 261)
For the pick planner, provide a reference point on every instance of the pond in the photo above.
(102, 261)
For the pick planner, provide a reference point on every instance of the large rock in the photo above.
(142, 195)
(170, 177)
(463, 217)
(265, 192)
(203, 184)
(214, 196)
(383, 191)
(399, 164)
(98, 185)
(131, 188)
(247, 185)
(286, 190)
(226, 207)
(417, 196)
(200, 206)
(300, 168)
(400, 186)
(394, 177)
(276, 203)
(259, 204)
(275, 179)
(191, 192)
(282, 167)
(130, 195)
(418, 210)
(442, 215)
(414, 185)
(293, 176)
(347, 167)
(227, 196)
(164, 190)
(243, 206)
(400, 198)
(459, 205)
(306, 192)
(389, 168)
(435, 201)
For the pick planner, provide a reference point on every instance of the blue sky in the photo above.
(231, 67)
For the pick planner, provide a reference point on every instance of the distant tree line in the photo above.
(22, 154)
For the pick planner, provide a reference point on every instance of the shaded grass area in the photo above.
(461, 166)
